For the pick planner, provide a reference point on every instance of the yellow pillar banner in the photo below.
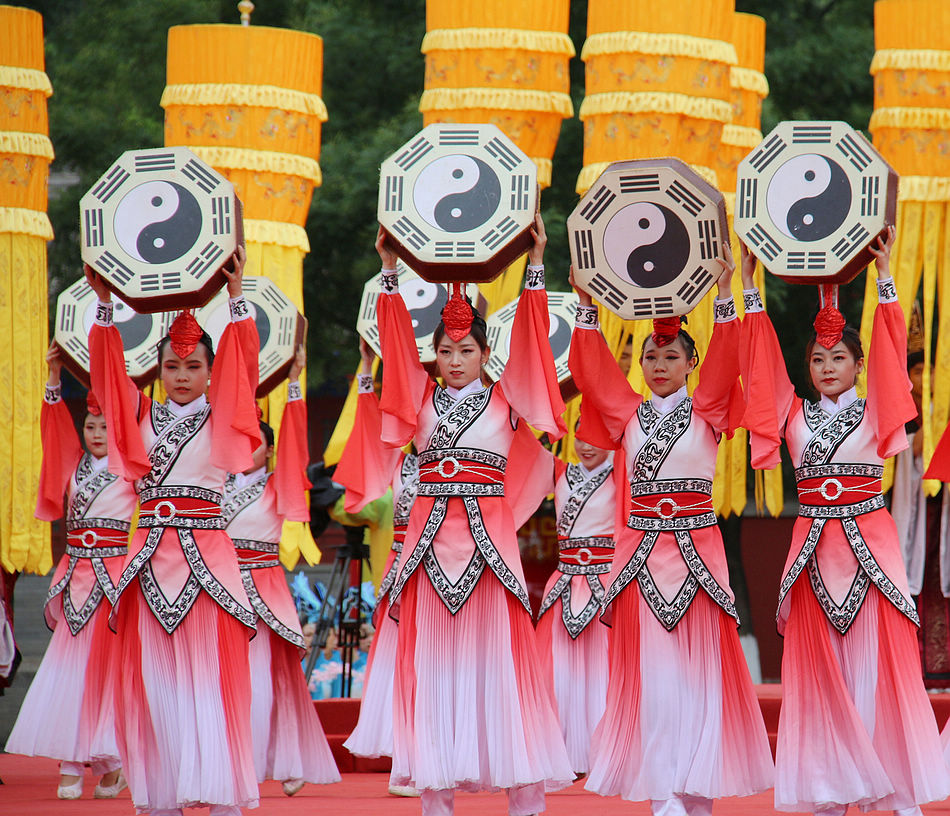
(941, 372)
(933, 225)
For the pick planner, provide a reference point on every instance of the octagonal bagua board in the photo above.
(646, 238)
(158, 226)
(457, 202)
(561, 309)
(141, 333)
(811, 199)
(424, 301)
(280, 327)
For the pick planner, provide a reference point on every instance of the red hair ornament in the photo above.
(92, 405)
(829, 322)
(665, 330)
(457, 315)
(185, 334)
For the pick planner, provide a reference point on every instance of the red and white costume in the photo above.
(183, 616)
(856, 725)
(68, 711)
(682, 724)
(569, 634)
(367, 469)
(472, 707)
(289, 742)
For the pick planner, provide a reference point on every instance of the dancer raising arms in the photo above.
(289, 743)
(183, 616)
(856, 725)
(682, 725)
(68, 711)
(472, 708)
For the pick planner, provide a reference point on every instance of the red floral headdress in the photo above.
(185, 334)
(457, 314)
(829, 323)
(665, 330)
(92, 405)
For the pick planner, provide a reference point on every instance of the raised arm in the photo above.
(122, 403)
(405, 381)
(769, 394)
(290, 471)
(609, 402)
(890, 404)
(235, 433)
(529, 380)
(61, 448)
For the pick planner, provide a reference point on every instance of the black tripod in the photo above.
(347, 572)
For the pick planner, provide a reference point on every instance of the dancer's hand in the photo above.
(386, 256)
(583, 299)
(94, 279)
(54, 362)
(536, 253)
(881, 250)
(367, 355)
(728, 264)
(749, 262)
(297, 366)
(234, 272)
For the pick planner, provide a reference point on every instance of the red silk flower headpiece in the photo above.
(457, 315)
(829, 323)
(185, 334)
(665, 330)
(92, 405)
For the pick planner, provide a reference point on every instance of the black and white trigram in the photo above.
(606, 291)
(405, 228)
(414, 153)
(811, 198)
(201, 174)
(507, 158)
(393, 195)
(601, 199)
(458, 137)
(520, 192)
(154, 162)
(221, 215)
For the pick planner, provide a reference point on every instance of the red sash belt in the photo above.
(461, 472)
(834, 491)
(257, 554)
(188, 507)
(671, 504)
(96, 542)
(581, 556)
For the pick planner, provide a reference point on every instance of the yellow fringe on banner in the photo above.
(916, 118)
(699, 107)
(645, 42)
(251, 96)
(748, 79)
(924, 188)
(435, 99)
(25, 79)
(910, 59)
(276, 232)
(590, 173)
(30, 144)
(484, 39)
(265, 161)
(22, 221)
(739, 136)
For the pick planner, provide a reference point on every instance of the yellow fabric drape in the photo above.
(26, 152)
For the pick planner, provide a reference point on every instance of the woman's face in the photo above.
(834, 370)
(460, 362)
(665, 368)
(94, 435)
(590, 456)
(260, 457)
(185, 378)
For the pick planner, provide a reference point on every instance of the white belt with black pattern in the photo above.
(833, 511)
(166, 514)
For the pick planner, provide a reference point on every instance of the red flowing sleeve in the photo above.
(61, 454)
(718, 396)
(123, 405)
(405, 381)
(530, 474)
(367, 466)
(769, 394)
(609, 402)
(529, 380)
(235, 433)
(889, 402)
(940, 462)
(290, 472)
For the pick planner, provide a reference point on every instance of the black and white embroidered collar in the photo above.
(664, 405)
(238, 481)
(845, 400)
(192, 407)
(460, 393)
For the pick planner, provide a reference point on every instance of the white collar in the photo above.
(192, 407)
(459, 393)
(608, 462)
(845, 398)
(666, 404)
(242, 480)
(98, 463)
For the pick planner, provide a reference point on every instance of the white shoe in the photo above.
(111, 791)
(911, 811)
(73, 791)
(292, 786)
(403, 790)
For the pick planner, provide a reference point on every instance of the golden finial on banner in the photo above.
(246, 7)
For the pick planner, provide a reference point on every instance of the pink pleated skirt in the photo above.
(856, 725)
(682, 717)
(472, 709)
(183, 706)
(289, 742)
(68, 712)
(373, 735)
(579, 674)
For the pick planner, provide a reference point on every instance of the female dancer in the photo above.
(183, 617)
(682, 725)
(68, 712)
(856, 725)
(570, 637)
(289, 743)
(472, 709)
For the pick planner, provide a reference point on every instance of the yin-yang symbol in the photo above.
(157, 222)
(424, 301)
(559, 335)
(809, 197)
(457, 193)
(262, 321)
(647, 244)
(134, 328)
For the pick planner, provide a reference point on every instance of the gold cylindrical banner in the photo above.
(25, 155)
